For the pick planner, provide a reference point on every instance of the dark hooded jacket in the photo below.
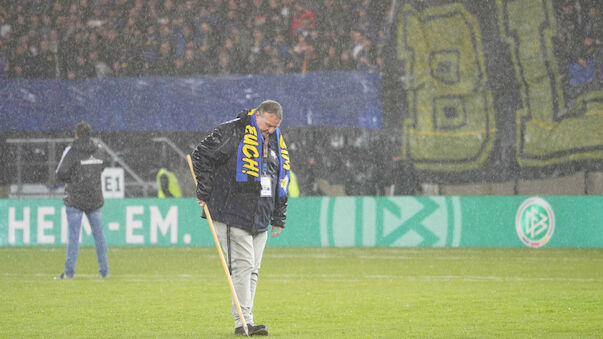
(80, 168)
(235, 204)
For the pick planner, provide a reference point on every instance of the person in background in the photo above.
(45, 63)
(19, 63)
(293, 187)
(167, 183)
(242, 169)
(80, 168)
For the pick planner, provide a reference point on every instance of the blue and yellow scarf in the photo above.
(249, 156)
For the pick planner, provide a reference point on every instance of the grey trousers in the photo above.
(246, 251)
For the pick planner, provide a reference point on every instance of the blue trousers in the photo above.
(74, 220)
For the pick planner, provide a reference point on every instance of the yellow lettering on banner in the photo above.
(251, 140)
(250, 130)
(250, 151)
(550, 127)
(284, 153)
(285, 156)
(252, 167)
(451, 124)
(250, 162)
(253, 174)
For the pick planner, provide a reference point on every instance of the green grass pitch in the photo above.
(162, 292)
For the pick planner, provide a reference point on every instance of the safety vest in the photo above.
(173, 185)
(293, 187)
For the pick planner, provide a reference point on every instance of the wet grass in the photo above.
(308, 293)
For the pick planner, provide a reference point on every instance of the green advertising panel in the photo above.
(442, 221)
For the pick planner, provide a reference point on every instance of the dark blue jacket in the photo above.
(235, 204)
(80, 168)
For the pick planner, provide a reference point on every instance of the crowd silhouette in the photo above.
(82, 39)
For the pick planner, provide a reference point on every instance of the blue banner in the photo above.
(342, 99)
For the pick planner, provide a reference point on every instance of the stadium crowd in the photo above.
(80, 39)
(579, 34)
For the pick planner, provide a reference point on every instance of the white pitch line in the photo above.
(430, 277)
(129, 276)
(331, 277)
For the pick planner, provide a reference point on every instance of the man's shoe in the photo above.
(253, 330)
(258, 330)
(62, 276)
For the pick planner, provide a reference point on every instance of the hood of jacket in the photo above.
(84, 145)
(243, 115)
